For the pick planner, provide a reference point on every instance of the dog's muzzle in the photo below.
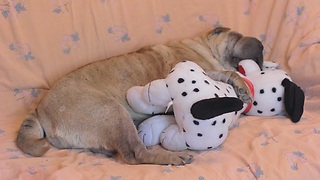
(248, 48)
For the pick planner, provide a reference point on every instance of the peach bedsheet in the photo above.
(42, 40)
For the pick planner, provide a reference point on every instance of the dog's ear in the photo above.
(219, 30)
(210, 108)
(293, 100)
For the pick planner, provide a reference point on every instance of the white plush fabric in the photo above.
(271, 95)
(185, 87)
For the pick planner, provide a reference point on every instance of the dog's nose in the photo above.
(254, 43)
(260, 45)
(257, 49)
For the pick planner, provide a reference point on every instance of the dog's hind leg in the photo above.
(104, 151)
(131, 149)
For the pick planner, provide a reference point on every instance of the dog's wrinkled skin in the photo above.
(87, 108)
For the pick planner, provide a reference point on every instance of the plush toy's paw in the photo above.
(146, 135)
(171, 139)
(149, 131)
(139, 105)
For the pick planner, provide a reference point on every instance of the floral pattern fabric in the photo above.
(42, 40)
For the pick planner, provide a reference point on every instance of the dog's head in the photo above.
(230, 47)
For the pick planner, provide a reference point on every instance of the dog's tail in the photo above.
(31, 138)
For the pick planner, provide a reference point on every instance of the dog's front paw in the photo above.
(244, 94)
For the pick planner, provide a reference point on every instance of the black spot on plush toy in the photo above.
(273, 91)
(204, 109)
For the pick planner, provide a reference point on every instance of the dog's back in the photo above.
(87, 108)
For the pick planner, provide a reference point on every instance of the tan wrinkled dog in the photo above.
(87, 108)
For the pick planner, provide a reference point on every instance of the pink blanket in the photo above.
(41, 41)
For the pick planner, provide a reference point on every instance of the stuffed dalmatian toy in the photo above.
(204, 109)
(273, 91)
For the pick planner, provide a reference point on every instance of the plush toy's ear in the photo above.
(293, 100)
(210, 108)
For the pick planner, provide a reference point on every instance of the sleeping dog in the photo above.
(87, 108)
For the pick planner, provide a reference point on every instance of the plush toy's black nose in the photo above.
(209, 108)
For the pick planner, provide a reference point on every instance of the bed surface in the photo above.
(41, 41)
